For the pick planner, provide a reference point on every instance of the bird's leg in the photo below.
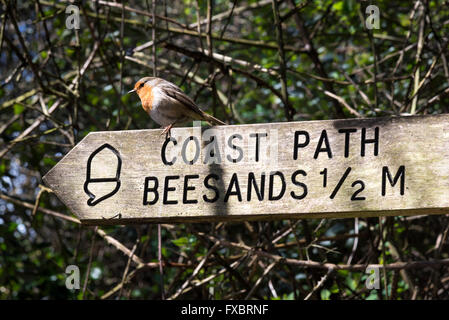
(167, 130)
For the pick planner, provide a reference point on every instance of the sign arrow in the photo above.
(313, 169)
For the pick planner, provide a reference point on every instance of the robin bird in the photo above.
(167, 105)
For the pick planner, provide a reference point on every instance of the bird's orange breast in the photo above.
(146, 96)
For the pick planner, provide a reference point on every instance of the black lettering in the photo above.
(257, 135)
(229, 192)
(187, 188)
(325, 139)
(365, 141)
(163, 151)
(271, 197)
(399, 174)
(299, 184)
(340, 182)
(298, 145)
(212, 152)
(197, 150)
(252, 182)
(212, 187)
(324, 173)
(167, 189)
(153, 190)
(355, 196)
(233, 146)
(347, 133)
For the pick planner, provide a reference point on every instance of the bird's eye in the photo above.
(141, 85)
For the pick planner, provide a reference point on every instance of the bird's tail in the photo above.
(213, 120)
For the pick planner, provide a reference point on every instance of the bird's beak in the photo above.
(130, 91)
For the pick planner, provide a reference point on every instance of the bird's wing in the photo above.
(174, 92)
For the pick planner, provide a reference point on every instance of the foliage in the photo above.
(320, 62)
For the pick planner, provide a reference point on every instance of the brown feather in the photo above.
(174, 92)
(191, 109)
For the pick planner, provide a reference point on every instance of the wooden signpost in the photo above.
(314, 169)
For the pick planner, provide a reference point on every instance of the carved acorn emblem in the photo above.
(102, 174)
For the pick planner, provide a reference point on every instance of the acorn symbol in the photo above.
(97, 179)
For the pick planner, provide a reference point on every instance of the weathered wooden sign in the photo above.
(314, 169)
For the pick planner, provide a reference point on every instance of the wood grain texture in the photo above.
(339, 177)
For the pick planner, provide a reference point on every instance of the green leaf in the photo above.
(372, 296)
(180, 242)
(18, 108)
(49, 162)
(338, 6)
(325, 294)
(12, 226)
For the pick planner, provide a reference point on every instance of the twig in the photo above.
(42, 189)
(343, 102)
(153, 36)
(417, 61)
(119, 246)
(25, 48)
(313, 55)
(259, 281)
(320, 283)
(288, 109)
(198, 24)
(55, 106)
(384, 257)
(215, 36)
(127, 267)
(356, 240)
(238, 10)
(221, 65)
(89, 264)
(194, 273)
(228, 20)
(143, 13)
(319, 265)
(43, 210)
